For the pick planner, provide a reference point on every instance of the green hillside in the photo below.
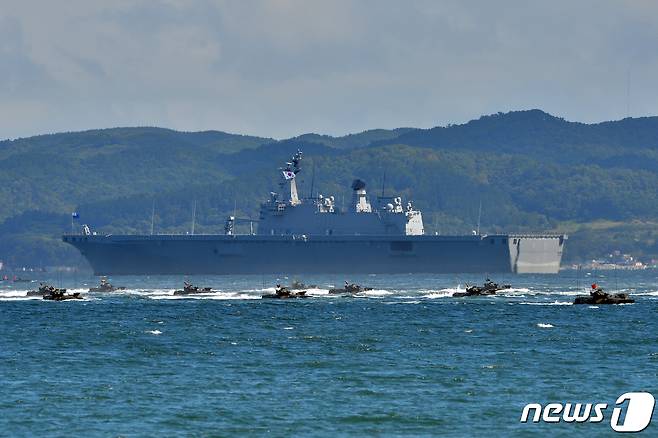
(531, 172)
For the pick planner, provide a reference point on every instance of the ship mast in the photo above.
(294, 198)
(312, 196)
(193, 217)
(152, 216)
(288, 175)
(479, 217)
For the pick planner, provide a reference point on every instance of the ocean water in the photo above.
(406, 359)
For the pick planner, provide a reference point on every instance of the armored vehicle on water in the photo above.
(598, 296)
(489, 288)
(190, 289)
(106, 286)
(44, 289)
(282, 292)
(314, 235)
(61, 295)
(349, 288)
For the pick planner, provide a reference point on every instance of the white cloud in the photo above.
(280, 68)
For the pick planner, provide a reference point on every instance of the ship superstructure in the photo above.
(285, 214)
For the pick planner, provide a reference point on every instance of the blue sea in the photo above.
(405, 359)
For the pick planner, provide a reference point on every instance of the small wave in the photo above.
(523, 290)
(442, 293)
(376, 293)
(142, 292)
(569, 293)
(452, 290)
(593, 307)
(154, 332)
(555, 303)
(19, 298)
(22, 296)
(403, 302)
(317, 291)
(289, 328)
(13, 293)
(208, 296)
(437, 295)
(543, 325)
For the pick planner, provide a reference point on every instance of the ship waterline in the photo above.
(252, 254)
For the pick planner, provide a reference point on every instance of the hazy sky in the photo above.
(282, 68)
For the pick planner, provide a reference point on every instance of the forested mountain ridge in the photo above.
(531, 171)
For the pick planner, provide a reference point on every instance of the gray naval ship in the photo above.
(296, 236)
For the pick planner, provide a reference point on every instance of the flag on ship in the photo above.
(288, 174)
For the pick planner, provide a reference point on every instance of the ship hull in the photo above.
(251, 254)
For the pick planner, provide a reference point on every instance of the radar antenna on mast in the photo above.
(296, 159)
(312, 196)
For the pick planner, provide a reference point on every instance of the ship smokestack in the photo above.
(359, 197)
